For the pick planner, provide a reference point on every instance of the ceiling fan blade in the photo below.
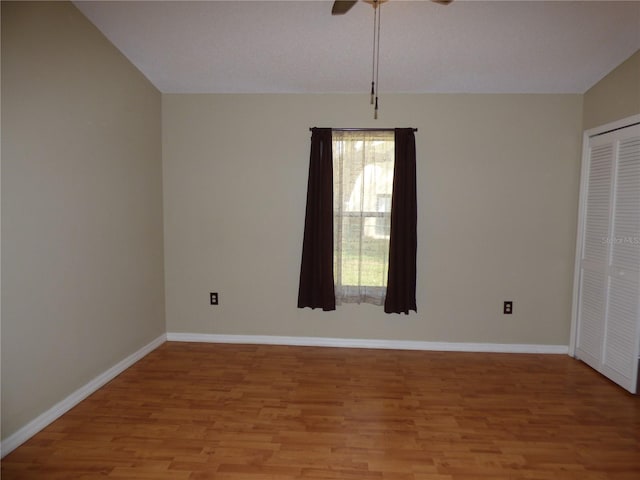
(340, 7)
(442, 2)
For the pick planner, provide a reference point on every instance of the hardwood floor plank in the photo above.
(232, 412)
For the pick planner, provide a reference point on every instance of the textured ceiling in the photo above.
(298, 47)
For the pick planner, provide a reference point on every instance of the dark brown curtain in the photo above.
(316, 272)
(401, 283)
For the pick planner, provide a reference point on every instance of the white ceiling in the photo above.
(299, 47)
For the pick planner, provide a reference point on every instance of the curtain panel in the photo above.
(401, 283)
(363, 183)
(316, 288)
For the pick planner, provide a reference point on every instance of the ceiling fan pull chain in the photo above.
(377, 63)
(373, 60)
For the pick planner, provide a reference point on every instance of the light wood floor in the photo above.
(198, 411)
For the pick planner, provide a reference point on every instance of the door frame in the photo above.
(584, 177)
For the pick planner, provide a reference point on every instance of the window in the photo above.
(360, 227)
(363, 164)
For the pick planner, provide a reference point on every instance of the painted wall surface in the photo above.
(498, 183)
(616, 96)
(82, 246)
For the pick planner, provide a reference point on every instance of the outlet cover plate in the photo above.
(507, 309)
(213, 298)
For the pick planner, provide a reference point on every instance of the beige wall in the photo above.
(616, 96)
(82, 248)
(497, 191)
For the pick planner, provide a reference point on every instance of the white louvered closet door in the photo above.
(595, 253)
(609, 302)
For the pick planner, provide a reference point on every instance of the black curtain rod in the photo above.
(363, 129)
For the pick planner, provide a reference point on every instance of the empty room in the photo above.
(387, 240)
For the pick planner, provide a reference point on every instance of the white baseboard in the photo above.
(29, 430)
(364, 343)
